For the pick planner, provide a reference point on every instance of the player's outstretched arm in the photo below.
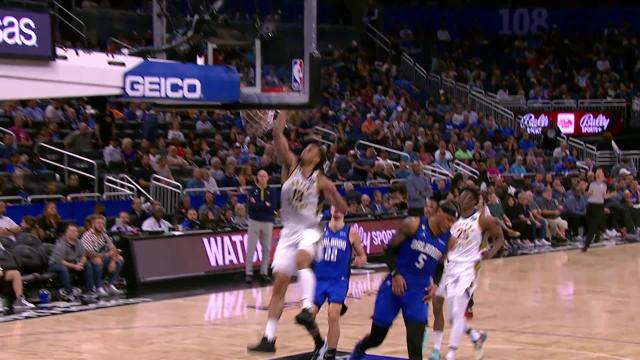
(361, 256)
(286, 158)
(330, 192)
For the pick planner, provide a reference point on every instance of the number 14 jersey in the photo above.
(300, 200)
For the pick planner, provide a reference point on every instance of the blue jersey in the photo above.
(335, 261)
(419, 255)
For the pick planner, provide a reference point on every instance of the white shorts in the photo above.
(291, 240)
(456, 281)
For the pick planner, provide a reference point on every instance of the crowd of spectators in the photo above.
(546, 66)
(535, 189)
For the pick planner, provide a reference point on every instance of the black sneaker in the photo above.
(305, 319)
(248, 279)
(264, 346)
(319, 351)
(344, 309)
(265, 279)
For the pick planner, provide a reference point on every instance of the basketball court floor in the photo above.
(565, 305)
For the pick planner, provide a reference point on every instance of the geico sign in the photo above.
(161, 87)
(20, 32)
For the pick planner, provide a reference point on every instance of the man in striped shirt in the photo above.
(102, 255)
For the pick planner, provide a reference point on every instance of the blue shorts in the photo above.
(334, 291)
(387, 306)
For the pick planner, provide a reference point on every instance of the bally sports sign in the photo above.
(25, 34)
(167, 257)
(572, 123)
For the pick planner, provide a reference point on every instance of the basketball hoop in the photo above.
(258, 122)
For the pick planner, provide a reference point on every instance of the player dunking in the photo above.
(413, 254)
(303, 183)
(457, 283)
(332, 270)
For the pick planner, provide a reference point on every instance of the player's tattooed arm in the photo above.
(287, 159)
(361, 256)
(330, 192)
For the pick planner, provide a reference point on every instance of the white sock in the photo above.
(451, 355)
(270, 330)
(437, 340)
(308, 283)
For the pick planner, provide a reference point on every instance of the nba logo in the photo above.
(297, 74)
(566, 123)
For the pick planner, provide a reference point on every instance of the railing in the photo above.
(436, 172)
(631, 155)
(635, 113)
(13, 199)
(82, 33)
(166, 191)
(15, 139)
(66, 166)
(319, 133)
(37, 198)
(360, 143)
(465, 169)
(84, 196)
(122, 188)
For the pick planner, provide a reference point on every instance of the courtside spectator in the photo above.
(191, 222)
(9, 273)
(156, 222)
(551, 211)
(575, 209)
(8, 228)
(377, 206)
(102, 256)
(51, 223)
(122, 225)
(67, 258)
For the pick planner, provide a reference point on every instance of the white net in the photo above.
(258, 122)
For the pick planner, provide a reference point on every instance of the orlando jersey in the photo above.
(419, 255)
(335, 257)
(300, 200)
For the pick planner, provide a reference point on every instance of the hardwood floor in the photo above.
(566, 305)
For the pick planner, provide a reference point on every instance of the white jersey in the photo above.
(300, 200)
(468, 235)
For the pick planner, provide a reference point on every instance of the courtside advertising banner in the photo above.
(170, 257)
(25, 35)
(181, 83)
(573, 123)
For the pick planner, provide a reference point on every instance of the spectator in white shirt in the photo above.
(113, 153)
(53, 112)
(175, 133)
(442, 149)
(8, 227)
(122, 224)
(210, 183)
(156, 222)
(203, 124)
